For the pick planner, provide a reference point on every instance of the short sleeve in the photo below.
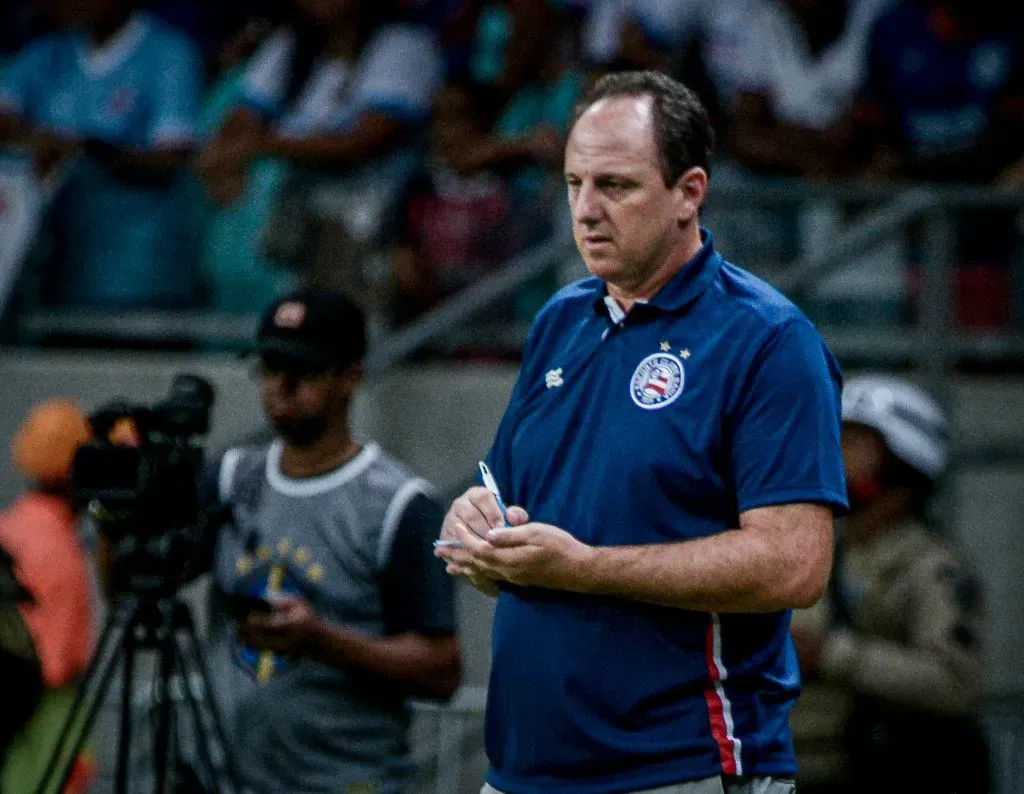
(400, 73)
(265, 82)
(24, 80)
(784, 428)
(176, 95)
(417, 595)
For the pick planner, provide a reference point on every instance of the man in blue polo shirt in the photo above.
(671, 459)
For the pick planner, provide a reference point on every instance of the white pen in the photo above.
(491, 485)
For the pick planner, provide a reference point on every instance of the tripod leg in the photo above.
(125, 742)
(198, 661)
(163, 730)
(80, 699)
(100, 671)
(202, 739)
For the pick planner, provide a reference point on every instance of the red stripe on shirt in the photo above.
(716, 709)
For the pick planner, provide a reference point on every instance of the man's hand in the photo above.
(472, 516)
(235, 152)
(534, 555)
(469, 520)
(224, 165)
(290, 629)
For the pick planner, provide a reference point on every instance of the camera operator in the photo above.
(328, 609)
(38, 533)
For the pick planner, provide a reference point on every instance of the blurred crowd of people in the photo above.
(212, 154)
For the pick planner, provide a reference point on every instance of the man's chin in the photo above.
(298, 434)
(605, 267)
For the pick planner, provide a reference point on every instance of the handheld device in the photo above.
(241, 605)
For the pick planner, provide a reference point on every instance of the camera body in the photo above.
(140, 478)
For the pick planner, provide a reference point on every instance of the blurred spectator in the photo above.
(462, 218)
(792, 115)
(456, 216)
(110, 101)
(510, 44)
(901, 629)
(455, 23)
(801, 74)
(944, 97)
(704, 42)
(239, 278)
(527, 145)
(712, 46)
(338, 95)
(527, 139)
(599, 25)
(210, 23)
(530, 131)
(944, 100)
(39, 532)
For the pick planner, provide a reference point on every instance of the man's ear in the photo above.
(691, 190)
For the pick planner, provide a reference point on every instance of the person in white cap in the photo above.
(901, 628)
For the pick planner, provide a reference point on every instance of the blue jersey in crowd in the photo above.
(947, 91)
(122, 243)
(715, 397)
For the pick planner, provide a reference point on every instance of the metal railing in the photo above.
(933, 347)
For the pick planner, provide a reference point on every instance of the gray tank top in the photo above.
(298, 725)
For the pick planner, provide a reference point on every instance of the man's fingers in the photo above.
(510, 537)
(517, 516)
(485, 503)
(472, 543)
(475, 512)
(471, 519)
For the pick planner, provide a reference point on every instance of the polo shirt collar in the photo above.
(681, 290)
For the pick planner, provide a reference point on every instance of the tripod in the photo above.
(141, 622)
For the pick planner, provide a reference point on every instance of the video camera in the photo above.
(140, 478)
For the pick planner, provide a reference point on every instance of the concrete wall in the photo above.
(441, 420)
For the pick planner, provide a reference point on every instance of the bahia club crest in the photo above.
(657, 381)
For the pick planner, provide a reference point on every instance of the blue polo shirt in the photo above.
(715, 397)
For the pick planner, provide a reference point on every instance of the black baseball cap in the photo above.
(313, 330)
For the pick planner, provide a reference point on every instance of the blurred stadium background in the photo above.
(873, 176)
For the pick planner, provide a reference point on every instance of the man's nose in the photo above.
(586, 208)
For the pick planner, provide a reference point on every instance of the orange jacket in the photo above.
(38, 530)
